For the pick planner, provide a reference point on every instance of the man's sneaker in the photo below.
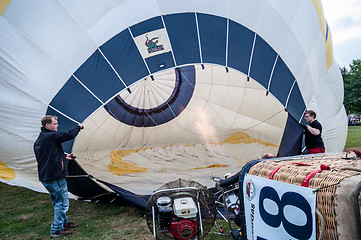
(61, 233)
(70, 225)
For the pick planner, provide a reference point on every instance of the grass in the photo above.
(353, 138)
(25, 214)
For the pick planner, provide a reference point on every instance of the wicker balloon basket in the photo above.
(337, 180)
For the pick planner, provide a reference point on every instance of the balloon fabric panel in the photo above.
(198, 88)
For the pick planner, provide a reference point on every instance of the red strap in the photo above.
(325, 167)
(358, 153)
(302, 164)
(307, 179)
(274, 172)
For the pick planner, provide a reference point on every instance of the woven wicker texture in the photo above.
(292, 170)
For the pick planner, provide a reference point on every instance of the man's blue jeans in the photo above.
(58, 190)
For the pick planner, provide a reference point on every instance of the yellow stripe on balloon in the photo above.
(212, 166)
(6, 173)
(120, 167)
(242, 137)
(3, 5)
(327, 37)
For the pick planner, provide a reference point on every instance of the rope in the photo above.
(320, 188)
(351, 169)
(352, 101)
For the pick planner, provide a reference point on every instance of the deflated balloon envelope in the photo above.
(165, 89)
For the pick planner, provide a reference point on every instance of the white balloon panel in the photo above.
(167, 89)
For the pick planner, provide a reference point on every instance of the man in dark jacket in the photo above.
(313, 130)
(52, 169)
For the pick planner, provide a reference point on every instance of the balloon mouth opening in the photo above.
(194, 144)
(151, 109)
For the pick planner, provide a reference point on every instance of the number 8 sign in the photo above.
(277, 210)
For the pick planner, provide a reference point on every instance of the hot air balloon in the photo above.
(165, 89)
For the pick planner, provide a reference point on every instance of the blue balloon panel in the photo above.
(147, 26)
(213, 36)
(122, 55)
(296, 106)
(75, 101)
(99, 77)
(240, 43)
(262, 62)
(160, 62)
(282, 81)
(183, 36)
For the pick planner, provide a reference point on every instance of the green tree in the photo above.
(352, 85)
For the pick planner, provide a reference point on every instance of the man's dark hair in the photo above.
(311, 113)
(47, 119)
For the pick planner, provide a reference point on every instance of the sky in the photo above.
(344, 20)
